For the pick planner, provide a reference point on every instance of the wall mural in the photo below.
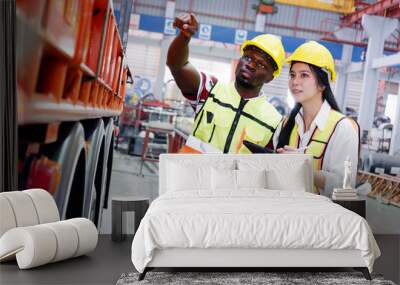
(142, 88)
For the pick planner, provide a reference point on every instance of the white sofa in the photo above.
(31, 231)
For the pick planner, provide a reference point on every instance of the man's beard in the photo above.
(243, 82)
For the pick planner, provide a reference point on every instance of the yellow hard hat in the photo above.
(315, 54)
(270, 44)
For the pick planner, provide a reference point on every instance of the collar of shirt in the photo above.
(319, 121)
(260, 94)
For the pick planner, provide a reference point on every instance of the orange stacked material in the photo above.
(384, 187)
(70, 63)
(96, 34)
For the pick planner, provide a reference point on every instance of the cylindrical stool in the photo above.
(121, 204)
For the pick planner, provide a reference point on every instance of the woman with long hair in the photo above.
(315, 125)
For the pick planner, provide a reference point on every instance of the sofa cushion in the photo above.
(45, 206)
(27, 208)
(67, 239)
(7, 216)
(23, 208)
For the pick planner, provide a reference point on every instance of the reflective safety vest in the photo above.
(226, 119)
(319, 139)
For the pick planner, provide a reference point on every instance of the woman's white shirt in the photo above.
(343, 143)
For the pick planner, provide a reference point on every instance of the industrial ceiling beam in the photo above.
(355, 43)
(392, 8)
(389, 60)
(394, 13)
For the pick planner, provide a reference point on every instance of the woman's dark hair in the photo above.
(322, 80)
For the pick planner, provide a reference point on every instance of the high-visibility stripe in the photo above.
(228, 115)
(234, 125)
(203, 103)
(251, 117)
(330, 136)
(198, 123)
(212, 134)
(319, 140)
(247, 115)
(188, 149)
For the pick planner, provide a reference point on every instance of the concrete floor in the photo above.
(128, 180)
(110, 259)
(102, 266)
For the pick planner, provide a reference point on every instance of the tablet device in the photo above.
(255, 148)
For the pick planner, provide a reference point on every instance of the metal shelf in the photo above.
(87, 71)
(42, 108)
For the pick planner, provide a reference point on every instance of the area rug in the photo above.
(243, 278)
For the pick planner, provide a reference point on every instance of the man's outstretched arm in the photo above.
(186, 76)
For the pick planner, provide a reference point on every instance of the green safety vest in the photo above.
(226, 119)
(319, 139)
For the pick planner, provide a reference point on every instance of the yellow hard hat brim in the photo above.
(316, 54)
(253, 43)
(332, 74)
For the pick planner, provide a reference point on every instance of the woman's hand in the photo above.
(291, 150)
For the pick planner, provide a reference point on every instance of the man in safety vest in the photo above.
(228, 113)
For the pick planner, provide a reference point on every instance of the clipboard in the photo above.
(255, 148)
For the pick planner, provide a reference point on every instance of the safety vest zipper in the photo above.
(212, 134)
(198, 124)
(234, 125)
